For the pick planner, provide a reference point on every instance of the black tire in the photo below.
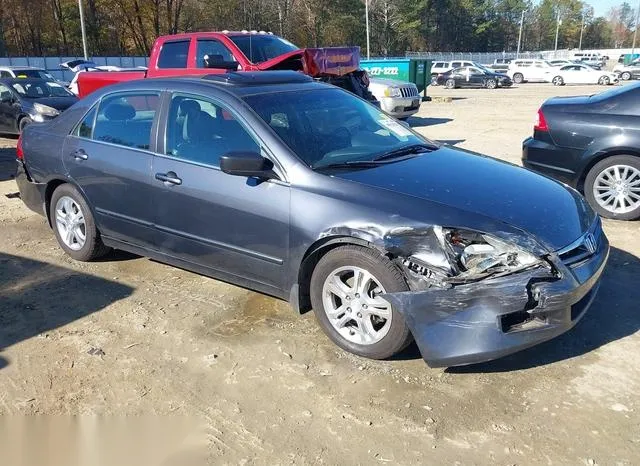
(627, 160)
(450, 83)
(626, 76)
(518, 78)
(93, 247)
(558, 81)
(491, 84)
(387, 274)
(22, 124)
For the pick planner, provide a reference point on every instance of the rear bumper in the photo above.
(483, 321)
(31, 193)
(551, 160)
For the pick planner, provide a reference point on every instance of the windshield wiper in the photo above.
(406, 150)
(350, 164)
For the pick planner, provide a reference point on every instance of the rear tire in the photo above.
(518, 78)
(626, 76)
(558, 81)
(609, 198)
(450, 84)
(74, 226)
(345, 322)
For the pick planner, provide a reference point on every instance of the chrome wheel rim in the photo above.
(617, 189)
(352, 303)
(70, 223)
(626, 76)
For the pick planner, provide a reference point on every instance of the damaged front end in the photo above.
(475, 297)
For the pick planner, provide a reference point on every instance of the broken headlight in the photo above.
(468, 256)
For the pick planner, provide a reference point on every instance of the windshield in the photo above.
(39, 74)
(37, 89)
(330, 126)
(261, 48)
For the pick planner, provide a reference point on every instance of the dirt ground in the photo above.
(129, 336)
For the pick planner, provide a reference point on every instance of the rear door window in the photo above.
(126, 119)
(174, 54)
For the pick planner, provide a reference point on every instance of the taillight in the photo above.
(541, 122)
(19, 150)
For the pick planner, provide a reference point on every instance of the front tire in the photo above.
(450, 84)
(518, 78)
(74, 226)
(626, 76)
(612, 187)
(434, 79)
(604, 81)
(345, 288)
(558, 81)
(491, 84)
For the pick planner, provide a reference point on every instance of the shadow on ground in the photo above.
(419, 122)
(36, 297)
(7, 163)
(612, 316)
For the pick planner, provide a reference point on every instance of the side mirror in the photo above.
(249, 164)
(217, 61)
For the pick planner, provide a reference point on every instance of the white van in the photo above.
(529, 70)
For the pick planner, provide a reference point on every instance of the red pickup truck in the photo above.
(202, 53)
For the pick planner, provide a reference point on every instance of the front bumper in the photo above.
(479, 322)
(31, 193)
(400, 107)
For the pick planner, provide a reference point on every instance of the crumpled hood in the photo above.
(554, 214)
(325, 61)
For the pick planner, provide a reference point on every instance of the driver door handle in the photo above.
(79, 154)
(169, 178)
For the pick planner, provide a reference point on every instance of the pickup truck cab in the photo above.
(200, 53)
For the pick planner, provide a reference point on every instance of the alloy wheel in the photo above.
(557, 81)
(70, 223)
(617, 189)
(352, 303)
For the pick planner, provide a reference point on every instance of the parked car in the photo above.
(529, 70)
(582, 74)
(84, 66)
(25, 100)
(199, 53)
(560, 63)
(303, 191)
(501, 65)
(590, 58)
(627, 72)
(24, 72)
(440, 67)
(473, 76)
(591, 143)
(399, 99)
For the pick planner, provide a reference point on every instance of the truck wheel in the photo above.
(612, 187)
(345, 289)
(518, 78)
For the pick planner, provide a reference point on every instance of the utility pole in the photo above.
(366, 14)
(558, 23)
(633, 45)
(84, 32)
(520, 34)
(581, 31)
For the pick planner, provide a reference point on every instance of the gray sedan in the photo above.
(303, 191)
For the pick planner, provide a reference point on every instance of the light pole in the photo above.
(558, 23)
(84, 33)
(581, 31)
(520, 33)
(633, 45)
(366, 14)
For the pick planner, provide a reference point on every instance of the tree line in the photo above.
(129, 27)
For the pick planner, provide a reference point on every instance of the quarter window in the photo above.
(215, 49)
(85, 128)
(202, 131)
(174, 54)
(126, 119)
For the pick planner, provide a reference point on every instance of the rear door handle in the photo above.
(169, 178)
(79, 154)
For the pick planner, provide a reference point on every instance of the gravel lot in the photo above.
(130, 336)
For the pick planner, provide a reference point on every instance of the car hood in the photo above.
(59, 103)
(554, 214)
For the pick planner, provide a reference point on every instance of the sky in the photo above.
(601, 7)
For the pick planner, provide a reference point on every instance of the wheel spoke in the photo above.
(361, 280)
(69, 237)
(338, 287)
(343, 321)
